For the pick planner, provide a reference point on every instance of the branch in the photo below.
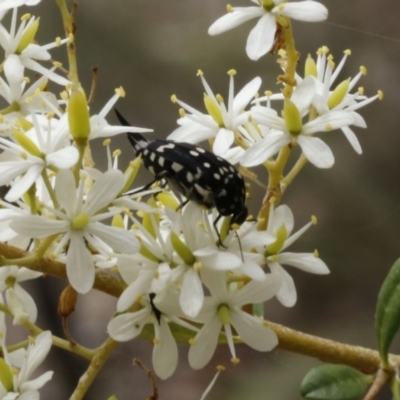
(103, 281)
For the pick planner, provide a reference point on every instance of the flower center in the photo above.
(80, 221)
(224, 314)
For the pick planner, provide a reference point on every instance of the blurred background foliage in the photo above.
(153, 49)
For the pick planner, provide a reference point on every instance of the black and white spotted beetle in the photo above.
(194, 172)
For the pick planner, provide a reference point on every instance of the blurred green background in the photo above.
(153, 49)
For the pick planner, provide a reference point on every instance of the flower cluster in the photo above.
(251, 137)
(186, 272)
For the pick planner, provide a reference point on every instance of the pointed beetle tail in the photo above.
(137, 140)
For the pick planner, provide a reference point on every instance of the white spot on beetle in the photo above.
(194, 153)
(189, 177)
(176, 167)
(207, 165)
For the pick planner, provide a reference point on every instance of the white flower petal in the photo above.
(192, 296)
(66, 190)
(35, 355)
(27, 301)
(205, 343)
(127, 326)
(258, 291)
(64, 158)
(23, 184)
(261, 37)
(304, 261)
(165, 352)
(137, 288)
(223, 141)
(80, 264)
(316, 151)
(105, 189)
(221, 261)
(191, 132)
(352, 138)
(35, 384)
(264, 149)
(309, 11)
(329, 122)
(233, 19)
(118, 239)
(253, 332)
(245, 95)
(287, 294)
(253, 270)
(37, 227)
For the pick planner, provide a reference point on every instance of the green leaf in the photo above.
(387, 318)
(334, 382)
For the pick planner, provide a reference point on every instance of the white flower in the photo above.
(280, 135)
(222, 121)
(22, 387)
(20, 52)
(19, 301)
(43, 146)
(158, 310)
(328, 99)
(224, 308)
(34, 99)
(197, 252)
(262, 36)
(280, 224)
(80, 224)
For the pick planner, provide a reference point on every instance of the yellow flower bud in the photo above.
(131, 173)
(275, 248)
(28, 36)
(214, 110)
(310, 67)
(6, 377)
(27, 143)
(182, 250)
(338, 94)
(118, 221)
(78, 115)
(292, 117)
(168, 200)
